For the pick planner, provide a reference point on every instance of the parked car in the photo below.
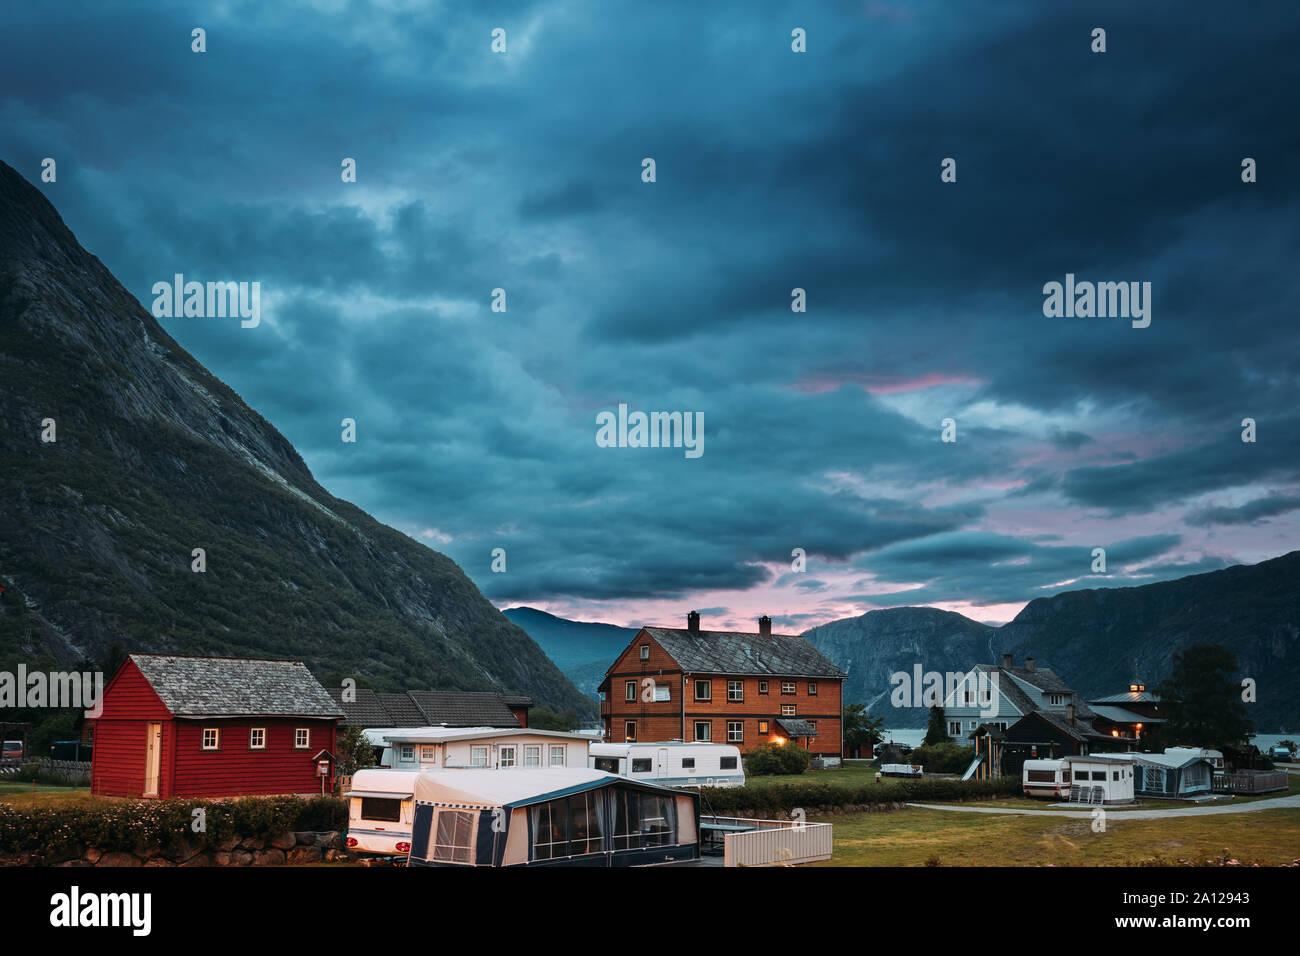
(12, 750)
(1281, 753)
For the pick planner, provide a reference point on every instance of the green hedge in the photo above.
(167, 824)
(772, 799)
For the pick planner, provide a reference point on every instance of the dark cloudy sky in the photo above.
(775, 170)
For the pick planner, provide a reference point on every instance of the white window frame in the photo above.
(252, 736)
(478, 756)
(735, 691)
(629, 690)
(558, 750)
(707, 725)
(406, 752)
(792, 685)
(216, 738)
(662, 693)
(708, 690)
(428, 754)
(735, 731)
(645, 652)
(787, 710)
(535, 751)
(507, 755)
(301, 738)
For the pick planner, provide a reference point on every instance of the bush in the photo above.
(777, 799)
(167, 824)
(943, 758)
(777, 759)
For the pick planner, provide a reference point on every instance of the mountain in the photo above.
(583, 650)
(877, 644)
(1098, 640)
(153, 458)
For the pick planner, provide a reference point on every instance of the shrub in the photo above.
(777, 759)
(943, 757)
(167, 824)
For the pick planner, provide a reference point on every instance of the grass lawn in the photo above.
(848, 775)
(47, 795)
(911, 837)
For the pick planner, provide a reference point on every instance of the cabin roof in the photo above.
(364, 711)
(463, 708)
(435, 735)
(1120, 715)
(1128, 697)
(734, 652)
(796, 727)
(235, 687)
(516, 786)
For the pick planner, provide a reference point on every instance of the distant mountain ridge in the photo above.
(155, 457)
(1097, 639)
(583, 650)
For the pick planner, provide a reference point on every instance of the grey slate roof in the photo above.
(402, 711)
(235, 687)
(732, 652)
(365, 711)
(1128, 697)
(795, 727)
(463, 708)
(1119, 715)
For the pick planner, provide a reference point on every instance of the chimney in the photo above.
(693, 622)
(1006, 660)
(764, 626)
(1029, 663)
(1069, 714)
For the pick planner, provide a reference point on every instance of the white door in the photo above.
(152, 756)
(661, 762)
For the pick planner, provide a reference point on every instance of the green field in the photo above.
(943, 838)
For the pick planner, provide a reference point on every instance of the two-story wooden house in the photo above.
(725, 687)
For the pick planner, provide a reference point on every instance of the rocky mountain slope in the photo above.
(155, 457)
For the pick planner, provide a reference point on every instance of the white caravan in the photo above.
(381, 809)
(673, 763)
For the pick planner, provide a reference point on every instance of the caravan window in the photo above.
(454, 840)
(383, 809)
(567, 827)
(643, 819)
(727, 763)
(1041, 776)
(688, 763)
(640, 764)
(607, 764)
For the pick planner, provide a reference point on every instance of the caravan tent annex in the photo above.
(550, 817)
(1176, 775)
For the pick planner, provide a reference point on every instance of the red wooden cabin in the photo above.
(211, 727)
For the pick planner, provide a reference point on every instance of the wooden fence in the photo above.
(1251, 781)
(776, 842)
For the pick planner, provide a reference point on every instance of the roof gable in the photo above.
(234, 687)
(733, 652)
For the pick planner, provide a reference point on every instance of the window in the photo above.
(478, 756)
(454, 836)
(735, 731)
(813, 725)
(406, 752)
(1114, 775)
(643, 820)
(645, 652)
(661, 693)
(787, 710)
(703, 730)
(726, 763)
(1099, 775)
(1055, 700)
(532, 755)
(302, 738)
(762, 687)
(567, 827)
(735, 691)
(703, 690)
(629, 730)
(381, 809)
(257, 738)
(557, 755)
(954, 728)
(506, 756)
(1041, 776)
(812, 688)
(211, 738)
(787, 687)
(970, 725)
(629, 690)
(427, 754)
(688, 763)
(641, 765)
(762, 726)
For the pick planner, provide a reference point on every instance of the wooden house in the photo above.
(725, 687)
(432, 748)
(210, 726)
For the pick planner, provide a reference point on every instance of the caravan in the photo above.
(381, 810)
(672, 763)
(1046, 778)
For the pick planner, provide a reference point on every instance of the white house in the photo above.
(432, 748)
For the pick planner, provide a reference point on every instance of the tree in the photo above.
(543, 718)
(860, 728)
(936, 732)
(1201, 701)
(355, 751)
